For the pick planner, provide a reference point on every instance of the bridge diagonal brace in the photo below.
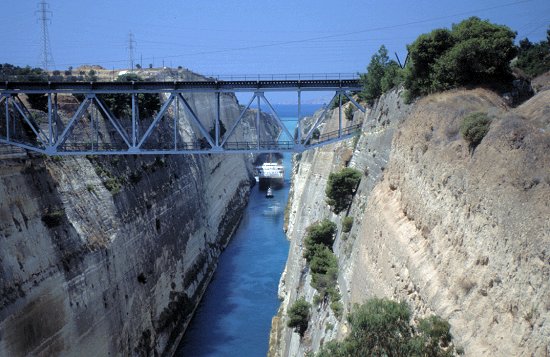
(37, 131)
(241, 116)
(23, 145)
(317, 122)
(357, 105)
(277, 119)
(70, 126)
(112, 119)
(29, 115)
(157, 119)
(197, 121)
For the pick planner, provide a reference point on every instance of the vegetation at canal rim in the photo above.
(381, 327)
(472, 52)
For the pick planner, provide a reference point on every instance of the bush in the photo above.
(347, 223)
(319, 234)
(341, 187)
(472, 52)
(298, 315)
(381, 327)
(323, 265)
(474, 127)
(324, 273)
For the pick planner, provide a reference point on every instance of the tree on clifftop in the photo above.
(382, 75)
(534, 58)
(474, 51)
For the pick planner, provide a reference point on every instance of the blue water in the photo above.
(234, 317)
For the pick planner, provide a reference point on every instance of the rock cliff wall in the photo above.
(104, 256)
(461, 234)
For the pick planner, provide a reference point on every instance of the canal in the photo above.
(234, 316)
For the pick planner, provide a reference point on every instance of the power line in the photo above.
(327, 37)
(45, 17)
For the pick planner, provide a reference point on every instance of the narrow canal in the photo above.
(234, 317)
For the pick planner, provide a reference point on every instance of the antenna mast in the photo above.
(131, 48)
(44, 16)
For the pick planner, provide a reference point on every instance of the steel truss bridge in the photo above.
(83, 132)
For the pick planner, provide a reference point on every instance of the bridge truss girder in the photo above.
(53, 137)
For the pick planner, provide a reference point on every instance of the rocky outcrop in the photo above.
(459, 233)
(110, 256)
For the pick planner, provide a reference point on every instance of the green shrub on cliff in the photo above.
(347, 223)
(474, 127)
(319, 234)
(341, 187)
(323, 263)
(381, 327)
(298, 315)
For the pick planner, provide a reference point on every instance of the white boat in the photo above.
(270, 174)
(269, 193)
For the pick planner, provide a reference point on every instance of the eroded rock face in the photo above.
(97, 268)
(461, 234)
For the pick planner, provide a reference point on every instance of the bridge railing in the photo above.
(284, 76)
(161, 78)
(353, 129)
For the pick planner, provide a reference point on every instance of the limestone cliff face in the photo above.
(461, 234)
(87, 270)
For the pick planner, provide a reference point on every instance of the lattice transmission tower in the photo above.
(44, 16)
(131, 49)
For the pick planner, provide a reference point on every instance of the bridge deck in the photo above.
(186, 86)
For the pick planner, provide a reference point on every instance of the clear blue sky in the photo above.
(245, 36)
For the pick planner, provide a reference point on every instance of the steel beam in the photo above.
(50, 129)
(277, 119)
(159, 116)
(7, 97)
(308, 136)
(196, 120)
(357, 105)
(81, 109)
(113, 120)
(217, 124)
(238, 120)
(258, 96)
(36, 131)
(299, 127)
(134, 108)
(339, 113)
